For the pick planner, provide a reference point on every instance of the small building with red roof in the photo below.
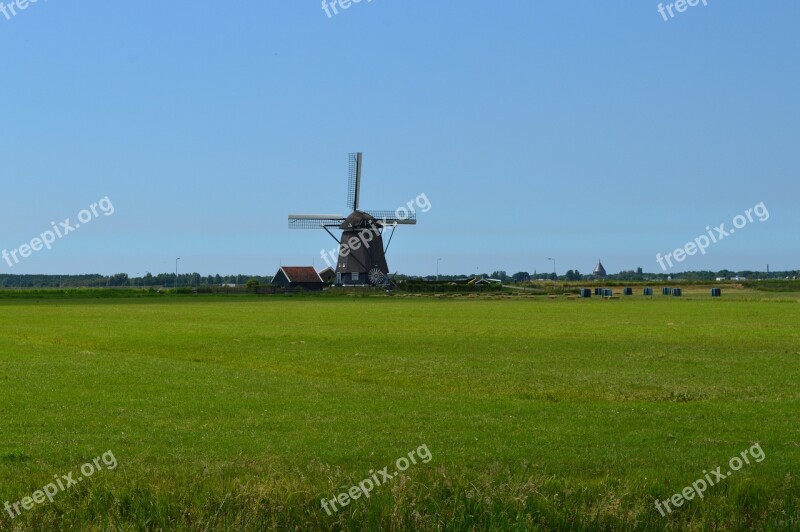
(305, 277)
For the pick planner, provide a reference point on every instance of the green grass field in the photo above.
(243, 413)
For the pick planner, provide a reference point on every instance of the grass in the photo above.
(242, 413)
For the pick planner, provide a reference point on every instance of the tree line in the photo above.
(195, 280)
(630, 275)
(120, 280)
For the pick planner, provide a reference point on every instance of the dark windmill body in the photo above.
(362, 254)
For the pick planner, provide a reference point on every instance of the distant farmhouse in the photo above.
(475, 281)
(305, 277)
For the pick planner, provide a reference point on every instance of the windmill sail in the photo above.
(354, 181)
(314, 221)
(399, 217)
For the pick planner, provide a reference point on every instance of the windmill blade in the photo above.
(314, 221)
(404, 217)
(354, 181)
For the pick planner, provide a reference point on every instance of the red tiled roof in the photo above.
(301, 274)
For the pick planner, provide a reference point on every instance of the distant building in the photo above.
(328, 275)
(482, 281)
(305, 277)
(599, 271)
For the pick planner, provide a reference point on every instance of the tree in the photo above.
(119, 279)
(252, 284)
(521, 276)
(500, 274)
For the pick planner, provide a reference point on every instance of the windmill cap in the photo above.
(357, 219)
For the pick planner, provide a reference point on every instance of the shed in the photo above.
(305, 277)
(328, 275)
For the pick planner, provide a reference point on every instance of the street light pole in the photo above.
(176, 272)
(555, 276)
(437, 268)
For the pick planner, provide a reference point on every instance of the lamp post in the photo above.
(437, 268)
(176, 272)
(555, 276)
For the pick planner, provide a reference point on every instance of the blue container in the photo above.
(716, 292)
(648, 291)
(586, 292)
(629, 291)
(666, 291)
(677, 292)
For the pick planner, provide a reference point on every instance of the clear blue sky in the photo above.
(574, 130)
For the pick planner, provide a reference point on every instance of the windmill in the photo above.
(362, 255)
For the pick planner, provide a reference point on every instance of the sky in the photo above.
(575, 131)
